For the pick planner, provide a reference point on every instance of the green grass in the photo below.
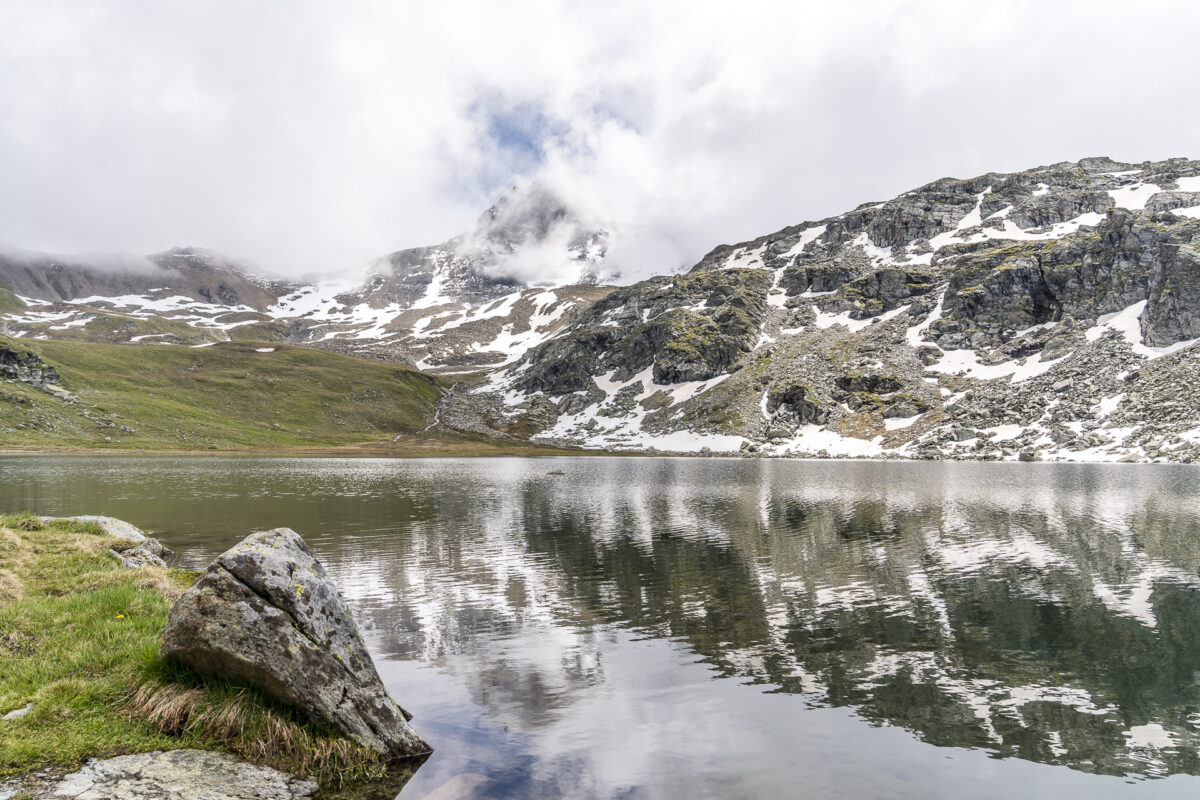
(223, 397)
(79, 638)
(260, 332)
(9, 302)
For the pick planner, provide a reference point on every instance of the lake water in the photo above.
(666, 628)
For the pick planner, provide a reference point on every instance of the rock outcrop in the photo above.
(265, 613)
(688, 328)
(26, 367)
(111, 526)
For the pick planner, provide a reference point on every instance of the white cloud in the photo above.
(315, 136)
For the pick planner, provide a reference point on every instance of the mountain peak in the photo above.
(530, 237)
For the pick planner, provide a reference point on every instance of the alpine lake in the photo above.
(723, 628)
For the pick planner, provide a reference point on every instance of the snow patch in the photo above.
(826, 320)
(966, 363)
(1133, 197)
(1127, 322)
(812, 439)
(744, 259)
(807, 236)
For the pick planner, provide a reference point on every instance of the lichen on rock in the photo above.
(266, 613)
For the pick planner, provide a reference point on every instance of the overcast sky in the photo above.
(313, 136)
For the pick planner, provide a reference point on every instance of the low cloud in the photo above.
(127, 263)
(314, 138)
(535, 235)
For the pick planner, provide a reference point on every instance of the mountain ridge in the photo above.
(1041, 313)
(901, 329)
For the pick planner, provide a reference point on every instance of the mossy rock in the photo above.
(656, 401)
(868, 383)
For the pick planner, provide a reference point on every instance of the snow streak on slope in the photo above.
(876, 292)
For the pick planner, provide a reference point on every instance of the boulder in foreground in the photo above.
(265, 613)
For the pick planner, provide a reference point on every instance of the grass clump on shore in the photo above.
(80, 638)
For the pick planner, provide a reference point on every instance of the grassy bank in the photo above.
(428, 445)
(229, 396)
(79, 639)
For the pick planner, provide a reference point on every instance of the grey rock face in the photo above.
(26, 367)
(996, 289)
(1169, 201)
(1173, 310)
(824, 268)
(689, 328)
(264, 612)
(1036, 212)
(174, 775)
(797, 404)
(883, 290)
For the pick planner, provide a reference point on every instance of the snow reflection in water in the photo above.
(655, 627)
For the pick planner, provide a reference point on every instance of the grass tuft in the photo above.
(181, 703)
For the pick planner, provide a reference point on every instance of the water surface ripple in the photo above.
(659, 628)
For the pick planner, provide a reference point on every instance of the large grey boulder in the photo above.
(265, 613)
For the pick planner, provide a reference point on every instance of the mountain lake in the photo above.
(719, 628)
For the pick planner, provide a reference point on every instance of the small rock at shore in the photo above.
(149, 553)
(140, 556)
(170, 775)
(145, 552)
(18, 713)
(110, 525)
(265, 613)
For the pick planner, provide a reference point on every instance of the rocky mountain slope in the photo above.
(481, 299)
(1050, 313)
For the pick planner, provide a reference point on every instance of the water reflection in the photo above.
(1046, 613)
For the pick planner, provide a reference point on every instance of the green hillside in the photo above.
(223, 397)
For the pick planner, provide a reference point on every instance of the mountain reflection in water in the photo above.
(1046, 613)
